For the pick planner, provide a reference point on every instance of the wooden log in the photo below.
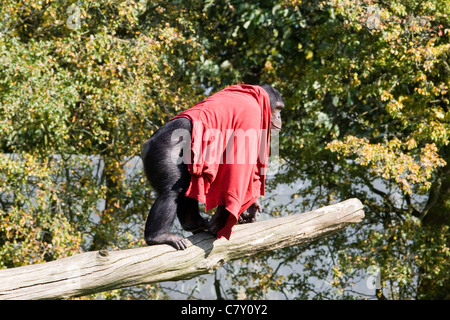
(103, 270)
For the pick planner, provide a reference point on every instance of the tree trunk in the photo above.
(103, 270)
(436, 217)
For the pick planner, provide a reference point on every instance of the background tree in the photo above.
(83, 84)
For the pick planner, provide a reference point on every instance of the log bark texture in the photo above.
(103, 270)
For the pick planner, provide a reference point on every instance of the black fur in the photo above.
(170, 181)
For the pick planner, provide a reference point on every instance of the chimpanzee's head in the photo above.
(276, 105)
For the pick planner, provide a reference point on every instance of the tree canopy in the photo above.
(365, 83)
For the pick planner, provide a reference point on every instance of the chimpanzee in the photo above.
(177, 183)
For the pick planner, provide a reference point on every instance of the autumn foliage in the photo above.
(366, 87)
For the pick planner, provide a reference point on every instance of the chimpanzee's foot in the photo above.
(167, 238)
(200, 225)
(246, 217)
(218, 220)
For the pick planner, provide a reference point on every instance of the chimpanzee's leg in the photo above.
(218, 220)
(170, 179)
(189, 215)
(159, 221)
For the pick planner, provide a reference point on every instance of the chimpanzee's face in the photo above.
(275, 120)
(276, 105)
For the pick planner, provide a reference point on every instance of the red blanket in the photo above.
(230, 150)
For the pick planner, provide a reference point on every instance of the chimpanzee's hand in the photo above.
(249, 216)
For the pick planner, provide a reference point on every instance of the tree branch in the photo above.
(98, 271)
